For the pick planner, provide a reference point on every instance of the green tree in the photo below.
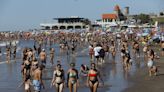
(144, 18)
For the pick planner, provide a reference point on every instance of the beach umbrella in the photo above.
(138, 34)
(88, 34)
(102, 33)
(130, 32)
(145, 34)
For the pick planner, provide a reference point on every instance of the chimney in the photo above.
(126, 12)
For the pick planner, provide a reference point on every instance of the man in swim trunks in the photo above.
(37, 79)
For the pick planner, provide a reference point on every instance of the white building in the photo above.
(66, 24)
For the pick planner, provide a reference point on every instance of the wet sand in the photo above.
(143, 83)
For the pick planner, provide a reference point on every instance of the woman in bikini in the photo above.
(26, 68)
(92, 80)
(72, 78)
(58, 79)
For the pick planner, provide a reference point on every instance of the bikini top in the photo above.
(92, 75)
(72, 74)
(58, 73)
(27, 66)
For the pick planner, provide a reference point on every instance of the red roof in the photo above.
(109, 16)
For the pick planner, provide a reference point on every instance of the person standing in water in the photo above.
(43, 57)
(8, 54)
(96, 52)
(72, 78)
(27, 83)
(162, 48)
(113, 49)
(151, 64)
(52, 52)
(91, 52)
(39, 50)
(37, 79)
(0, 53)
(14, 53)
(58, 79)
(145, 50)
(92, 79)
(84, 70)
(136, 49)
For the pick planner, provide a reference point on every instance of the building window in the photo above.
(62, 27)
(55, 28)
(77, 27)
(70, 27)
(47, 28)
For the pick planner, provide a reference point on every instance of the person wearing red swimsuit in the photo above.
(93, 76)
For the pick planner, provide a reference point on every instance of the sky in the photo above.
(28, 14)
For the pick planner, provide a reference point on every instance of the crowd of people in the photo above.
(34, 60)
